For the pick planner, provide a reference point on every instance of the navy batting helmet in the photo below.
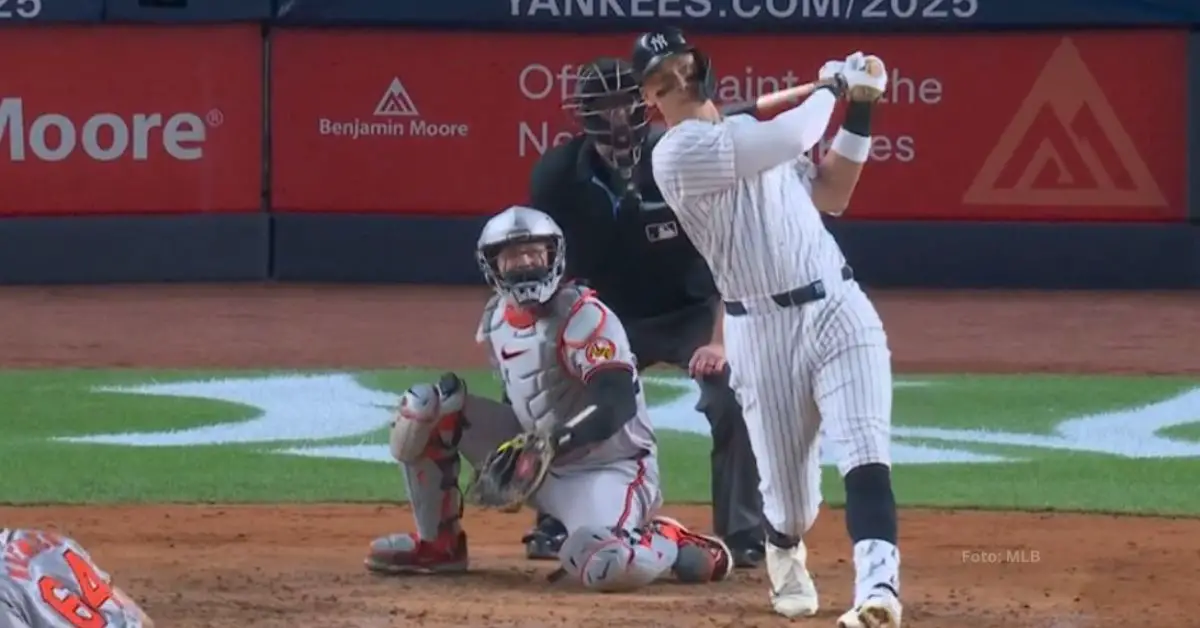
(655, 47)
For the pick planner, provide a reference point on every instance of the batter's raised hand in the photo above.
(831, 70)
(707, 360)
(866, 77)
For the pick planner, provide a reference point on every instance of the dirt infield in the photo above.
(275, 566)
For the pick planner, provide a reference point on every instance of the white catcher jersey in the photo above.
(760, 234)
(49, 581)
(545, 363)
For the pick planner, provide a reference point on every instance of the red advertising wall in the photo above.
(104, 119)
(1021, 126)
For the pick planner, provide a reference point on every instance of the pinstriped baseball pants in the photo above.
(823, 368)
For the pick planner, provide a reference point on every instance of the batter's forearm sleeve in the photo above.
(613, 393)
(758, 147)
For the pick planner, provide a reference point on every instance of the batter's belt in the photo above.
(814, 291)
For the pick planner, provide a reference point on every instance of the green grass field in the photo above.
(1069, 443)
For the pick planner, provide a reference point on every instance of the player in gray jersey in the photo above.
(49, 581)
(558, 351)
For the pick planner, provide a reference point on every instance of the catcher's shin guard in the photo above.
(432, 477)
(607, 559)
(419, 418)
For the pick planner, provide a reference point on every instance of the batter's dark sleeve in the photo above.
(613, 392)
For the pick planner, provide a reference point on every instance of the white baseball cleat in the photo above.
(879, 611)
(793, 592)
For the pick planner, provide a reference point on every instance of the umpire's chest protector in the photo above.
(528, 355)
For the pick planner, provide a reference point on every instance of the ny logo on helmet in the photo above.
(658, 42)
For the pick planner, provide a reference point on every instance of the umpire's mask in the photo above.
(608, 106)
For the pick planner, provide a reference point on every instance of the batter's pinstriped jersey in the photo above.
(761, 235)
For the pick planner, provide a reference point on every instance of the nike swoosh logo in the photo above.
(653, 205)
(505, 354)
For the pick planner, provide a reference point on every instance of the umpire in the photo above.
(625, 243)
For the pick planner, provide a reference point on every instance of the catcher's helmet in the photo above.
(517, 225)
(655, 47)
(608, 106)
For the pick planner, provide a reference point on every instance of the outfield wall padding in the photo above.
(126, 249)
(375, 248)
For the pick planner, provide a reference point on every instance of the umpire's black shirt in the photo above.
(636, 258)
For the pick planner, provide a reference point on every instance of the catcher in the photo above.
(576, 442)
(49, 581)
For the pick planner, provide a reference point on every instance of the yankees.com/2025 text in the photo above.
(857, 10)
(103, 136)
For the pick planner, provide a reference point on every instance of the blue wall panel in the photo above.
(375, 248)
(734, 15)
(188, 11)
(18, 12)
(1022, 255)
(76, 250)
(372, 248)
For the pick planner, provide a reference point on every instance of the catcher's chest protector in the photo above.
(49, 581)
(544, 365)
(542, 390)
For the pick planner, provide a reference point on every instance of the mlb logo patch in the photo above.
(659, 231)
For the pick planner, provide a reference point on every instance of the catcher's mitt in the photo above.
(512, 473)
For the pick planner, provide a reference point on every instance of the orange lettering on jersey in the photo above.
(600, 349)
(80, 611)
(1065, 147)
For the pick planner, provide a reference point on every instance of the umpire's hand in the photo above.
(707, 360)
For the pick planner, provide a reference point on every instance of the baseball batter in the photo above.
(558, 351)
(806, 347)
(49, 581)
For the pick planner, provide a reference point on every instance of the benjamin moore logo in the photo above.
(1065, 147)
(396, 101)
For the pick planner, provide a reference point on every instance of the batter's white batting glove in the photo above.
(866, 77)
(831, 70)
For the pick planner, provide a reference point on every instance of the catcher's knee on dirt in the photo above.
(606, 560)
(429, 416)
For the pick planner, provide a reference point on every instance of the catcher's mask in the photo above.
(608, 106)
(522, 255)
(654, 49)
